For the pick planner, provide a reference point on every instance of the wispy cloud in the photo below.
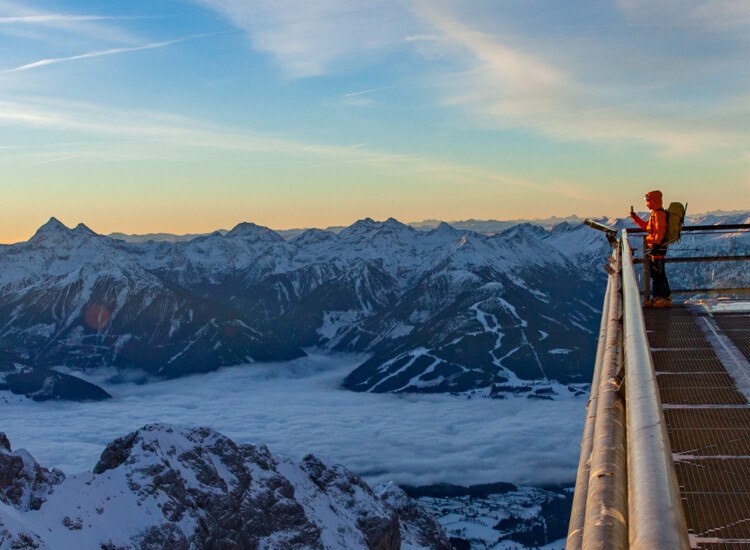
(57, 159)
(169, 130)
(481, 176)
(314, 38)
(716, 15)
(420, 37)
(505, 87)
(117, 135)
(39, 24)
(573, 191)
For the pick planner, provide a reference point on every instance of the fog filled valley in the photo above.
(451, 362)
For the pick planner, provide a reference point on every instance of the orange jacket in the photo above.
(656, 227)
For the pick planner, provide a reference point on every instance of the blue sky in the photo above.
(189, 116)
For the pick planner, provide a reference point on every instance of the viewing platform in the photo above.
(700, 358)
(665, 455)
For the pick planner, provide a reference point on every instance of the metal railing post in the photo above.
(646, 273)
(578, 513)
(656, 517)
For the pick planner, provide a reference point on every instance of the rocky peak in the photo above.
(313, 236)
(393, 223)
(359, 227)
(83, 229)
(370, 227)
(170, 486)
(254, 233)
(24, 484)
(423, 527)
(54, 229)
(444, 229)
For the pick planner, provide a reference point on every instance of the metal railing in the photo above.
(656, 516)
(626, 493)
(696, 229)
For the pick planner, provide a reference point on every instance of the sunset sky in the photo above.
(190, 116)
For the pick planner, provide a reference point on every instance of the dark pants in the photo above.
(659, 283)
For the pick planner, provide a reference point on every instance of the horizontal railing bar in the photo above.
(727, 227)
(708, 291)
(688, 259)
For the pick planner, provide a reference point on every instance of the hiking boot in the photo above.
(662, 302)
(649, 303)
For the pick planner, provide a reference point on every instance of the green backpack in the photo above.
(675, 219)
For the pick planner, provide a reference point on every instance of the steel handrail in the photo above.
(626, 491)
(606, 524)
(578, 513)
(656, 517)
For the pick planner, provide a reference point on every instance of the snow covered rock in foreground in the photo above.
(24, 484)
(172, 487)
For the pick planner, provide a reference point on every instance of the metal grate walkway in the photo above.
(701, 362)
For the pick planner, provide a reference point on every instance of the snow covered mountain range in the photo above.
(443, 310)
(169, 487)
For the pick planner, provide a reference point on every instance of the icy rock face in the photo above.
(421, 527)
(24, 484)
(170, 487)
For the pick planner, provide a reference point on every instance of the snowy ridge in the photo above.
(165, 486)
(69, 297)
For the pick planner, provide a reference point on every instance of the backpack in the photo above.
(675, 219)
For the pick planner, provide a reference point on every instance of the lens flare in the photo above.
(97, 316)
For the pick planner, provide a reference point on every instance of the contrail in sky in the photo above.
(53, 18)
(55, 60)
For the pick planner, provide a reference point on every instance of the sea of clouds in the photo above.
(298, 407)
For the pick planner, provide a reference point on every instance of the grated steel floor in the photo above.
(708, 420)
(737, 328)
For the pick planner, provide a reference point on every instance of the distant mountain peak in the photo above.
(444, 228)
(313, 235)
(52, 229)
(84, 229)
(393, 222)
(370, 226)
(258, 232)
(53, 225)
(365, 225)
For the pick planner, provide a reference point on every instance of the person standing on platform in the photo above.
(656, 240)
